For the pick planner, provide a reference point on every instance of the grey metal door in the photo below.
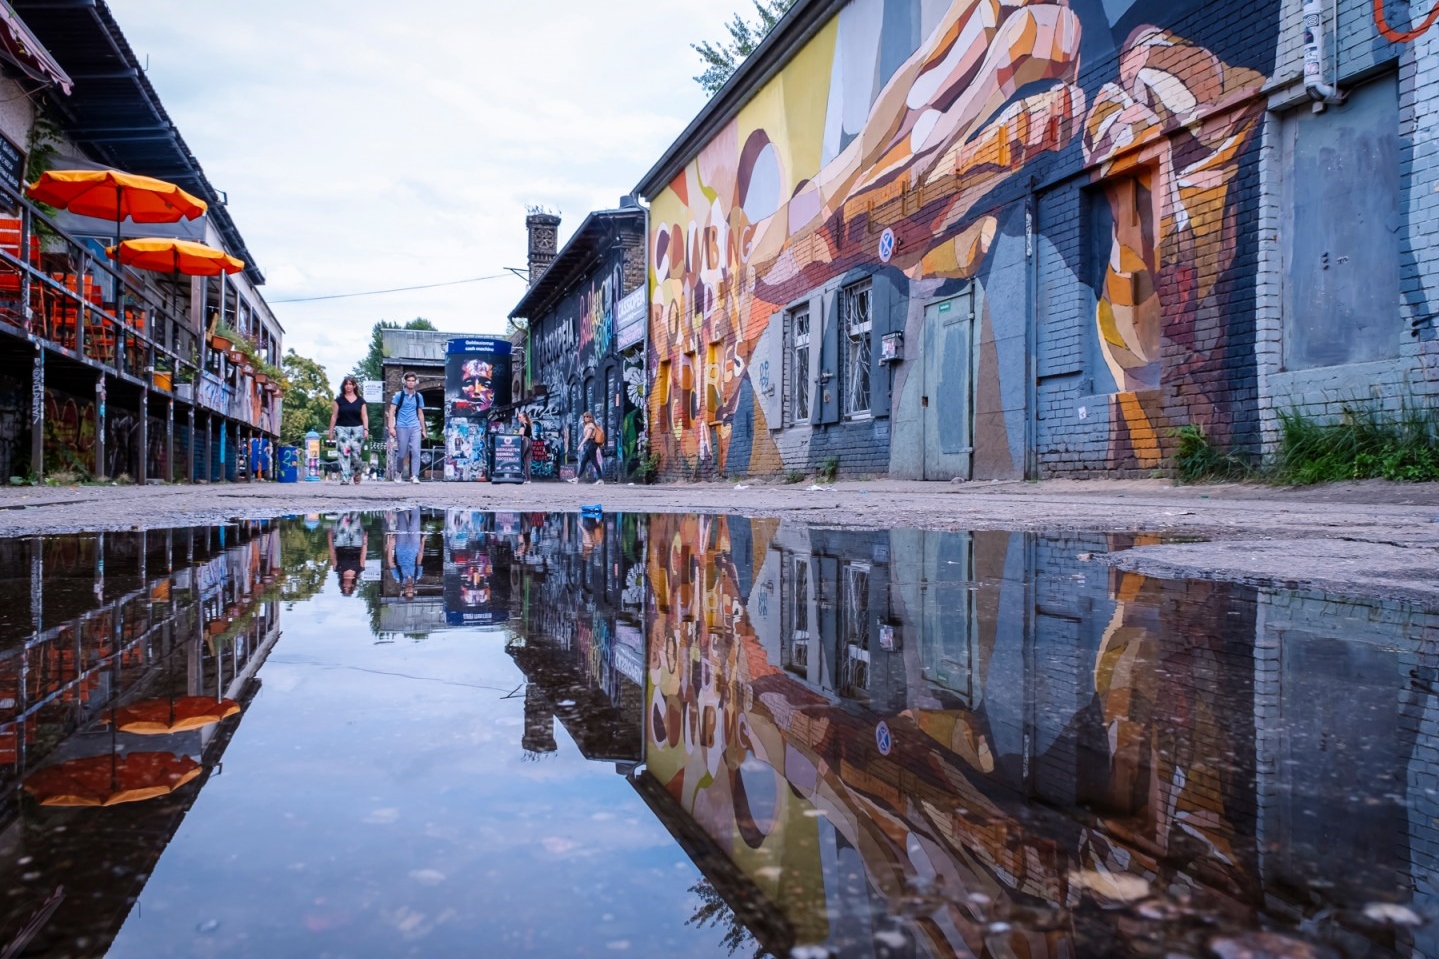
(947, 403)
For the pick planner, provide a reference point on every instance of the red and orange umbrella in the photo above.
(155, 717)
(113, 195)
(169, 255)
(110, 780)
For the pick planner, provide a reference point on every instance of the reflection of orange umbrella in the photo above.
(167, 255)
(111, 780)
(159, 716)
(112, 195)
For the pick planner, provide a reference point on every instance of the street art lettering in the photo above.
(69, 433)
(939, 119)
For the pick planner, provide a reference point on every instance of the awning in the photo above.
(19, 46)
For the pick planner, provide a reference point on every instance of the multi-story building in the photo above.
(937, 239)
(584, 311)
(108, 371)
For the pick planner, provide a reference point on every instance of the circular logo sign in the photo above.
(886, 245)
(882, 738)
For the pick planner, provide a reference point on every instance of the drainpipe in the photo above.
(1322, 93)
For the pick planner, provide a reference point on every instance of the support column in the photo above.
(100, 427)
(37, 413)
(170, 440)
(190, 445)
(143, 475)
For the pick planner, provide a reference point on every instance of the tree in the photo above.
(372, 366)
(723, 59)
(308, 399)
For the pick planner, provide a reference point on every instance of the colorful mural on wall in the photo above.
(906, 143)
(860, 738)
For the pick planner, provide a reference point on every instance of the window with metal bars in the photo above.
(794, 602)
(854, 630)
(856, 324)
(799, 365)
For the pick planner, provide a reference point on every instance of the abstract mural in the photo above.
(912, 145)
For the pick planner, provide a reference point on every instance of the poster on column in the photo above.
(477, 380)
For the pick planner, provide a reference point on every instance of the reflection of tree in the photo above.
(305, 559)
(714, 911)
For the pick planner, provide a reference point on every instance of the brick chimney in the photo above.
(544, 230)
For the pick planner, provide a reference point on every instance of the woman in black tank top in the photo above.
(349, 425)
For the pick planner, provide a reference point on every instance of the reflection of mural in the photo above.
(858, 738)
(898, 145)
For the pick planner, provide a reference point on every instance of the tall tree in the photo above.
(308, 399)
(722, 59)
(372, 366)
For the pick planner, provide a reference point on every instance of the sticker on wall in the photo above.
(886, 245)
(882, 738)
(1084, 412)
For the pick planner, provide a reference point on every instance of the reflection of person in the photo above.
(349, 542)
(349, 425)
(405, 417)
(406, 551)
(588, 449)
(527, 439)
(592, 534)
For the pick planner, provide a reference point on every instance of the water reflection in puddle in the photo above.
(422, 733)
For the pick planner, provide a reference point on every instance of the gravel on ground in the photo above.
(1370, 539)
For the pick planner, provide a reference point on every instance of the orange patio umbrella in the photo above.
(113, 195)
(110, 780)
(154, 717)
(169, 255)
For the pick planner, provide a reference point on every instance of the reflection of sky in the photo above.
(375, 801)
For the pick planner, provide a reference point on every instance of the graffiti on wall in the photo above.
(901, 140)
(69, 433)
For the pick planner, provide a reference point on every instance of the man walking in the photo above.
(406, 420)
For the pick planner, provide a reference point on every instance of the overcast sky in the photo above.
(366, 145)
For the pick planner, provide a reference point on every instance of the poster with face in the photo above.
(477, 375)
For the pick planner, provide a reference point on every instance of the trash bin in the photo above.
(290, 459)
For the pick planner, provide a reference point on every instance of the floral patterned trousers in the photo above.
(350, 440)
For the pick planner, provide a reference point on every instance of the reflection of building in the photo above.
(859, 719)
(113, 620)
(475, 595)
(576, 635)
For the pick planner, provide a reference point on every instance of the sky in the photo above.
(367, 145)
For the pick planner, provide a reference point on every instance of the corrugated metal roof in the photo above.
(416, 346)
(572, 262)
(113, 112)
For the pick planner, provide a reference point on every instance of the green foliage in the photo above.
(828, 470)
(722, 59)
(794, 476)
(308, 398)
(1365, 444)
(646, 468)
(1197, 460)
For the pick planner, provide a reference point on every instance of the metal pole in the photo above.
(170, 440)
(37, 414)
(190, 443)
(143, 473)
(100, 426)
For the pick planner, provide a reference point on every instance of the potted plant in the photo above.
(222, 337)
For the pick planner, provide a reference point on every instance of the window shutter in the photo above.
(825, 401)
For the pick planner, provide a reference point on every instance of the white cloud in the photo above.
(369, 145)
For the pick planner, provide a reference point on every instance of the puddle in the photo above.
(430, 733)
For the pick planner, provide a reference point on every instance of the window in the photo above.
(855, 324)
(799, 365)
(794, 587)
(854, 631)
(714, 374)
(689, 399)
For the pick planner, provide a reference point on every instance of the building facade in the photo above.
(936, 239)
(585, 315)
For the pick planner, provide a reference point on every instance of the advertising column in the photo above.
(477, 378)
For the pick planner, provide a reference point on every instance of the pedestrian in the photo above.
(406, 551)
(527, 438)
(349, 426)
(405, 417)
(589, 446)
(348, 543)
